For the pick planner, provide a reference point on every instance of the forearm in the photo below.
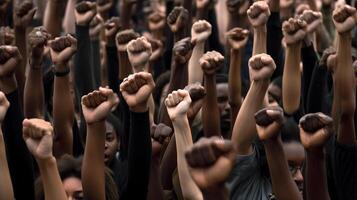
(284, 186)
(34, 93)
(210, 111)
(235, 83)
(244, 130)
(316, 180)
(20, 42)
(195, 72)
(260, 40)
(51, 180)
(125, 68)
(6, 191)
(168, 164)
(125, 15)
(52, 20)
(63, 116)
(183, 142)
(292, 79)
(93, 163)
(155, 187)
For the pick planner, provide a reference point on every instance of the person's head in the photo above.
(112, 141)
(223, 103)
(294, 151)
(275, 91)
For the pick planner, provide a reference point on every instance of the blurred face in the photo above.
(274, 94)
(224, 107)
(73, 188)
(295, 155)
(111, 143)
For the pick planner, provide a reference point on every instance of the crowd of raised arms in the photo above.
(178, 99)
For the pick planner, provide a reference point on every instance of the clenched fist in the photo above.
(237, 38)
(37, 41)
(124, 37)
(160, 135)
(211, 62)
(197, 92)
(9, 59)
(38, 135)
(345, 18)
(200, 32)
(23, 14)
(258, 13)
(268, 122)
(312, 19)
(177, 19)
(329, 59)
(210, 161)
(237, 6)
(178, 104)
(294, 31)
(261, 66)
(112, 26)
(62, 49)
(183, 50)
(84, 12)
(136, 90)
(315, 130)
(139, 52)
(95, 27)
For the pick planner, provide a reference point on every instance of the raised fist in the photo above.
(344, 18)
(37, 41)
(177, 19)
(237, 6)
(7, 35)
(62, 49)
(103, 6)
(136, 90)
(261, 67)
(9, 59)
(139, 52)
(157, 48)
(211, 62)
(197, 92)
(160, 135)
(312, 19)
(124, 37)
(84, 12)
(156, 21)
(329, 59)
(23, 14)
(315, 130)
(301, 8)
(258, 13)
(237, 38)
(4, 105)
(294, 31)
(98, 104)
(96, 26)
(112, 27)
(183, 50)
(200, 32)
(268, 122)
(211, 161)
(178, 104)
(38, 135)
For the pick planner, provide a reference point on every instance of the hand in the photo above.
(204, 4)
(112, 26)
(7, 35)
(98, 104)
(139, 52)
(312, 19)
(237, 38)
(177, 19)
(182, 50)
(124, 37)
(9, 59)
(301, 8)
(95, 27)
(103, 6)
(38, 41)
(136, 90)
(160, 135)
(200, 32)
(261, 66)
(258, 13)
(178, 104)
(197, 92)
(38, 135)
(157, 48)
(4, 105)
(315, 130)
(211, 161)
(24, 14)
(237, 6)
(344, 18)
(269, 122)
(211, 62)
(156, 21)
(329, 59)
(84, 12)
(294, 31)
(62, 49)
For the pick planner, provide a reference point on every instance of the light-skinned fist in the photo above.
(200, 31)
(178, 104)
(261, 67)
(258, 13)
(139, 52)
(84, 12)
(294, 31)
(344, 18)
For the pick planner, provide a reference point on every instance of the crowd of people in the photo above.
(178, 99)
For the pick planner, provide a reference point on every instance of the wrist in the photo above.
(260, 29)
(44, 163)
(35, 62)
(272, 141)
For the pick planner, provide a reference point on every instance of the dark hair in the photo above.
(116, 123)
(290, 131)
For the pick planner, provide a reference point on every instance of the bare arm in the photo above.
(54, 13)
(122, 40)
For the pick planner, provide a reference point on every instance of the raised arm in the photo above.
(38, 135)
(34, 98)
(345, 18)
(294, 31)
(315, 131)
(261, 69)
(122, 40)
(103, 7)
(210, 63)
(62, 50)
(52, 21)
(269, 122)
(177, 21)
(96, 106)
(125, 12)
(178, 103)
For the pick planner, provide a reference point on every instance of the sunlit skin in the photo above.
(295, 155)
(111, 143)
(73, 188)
